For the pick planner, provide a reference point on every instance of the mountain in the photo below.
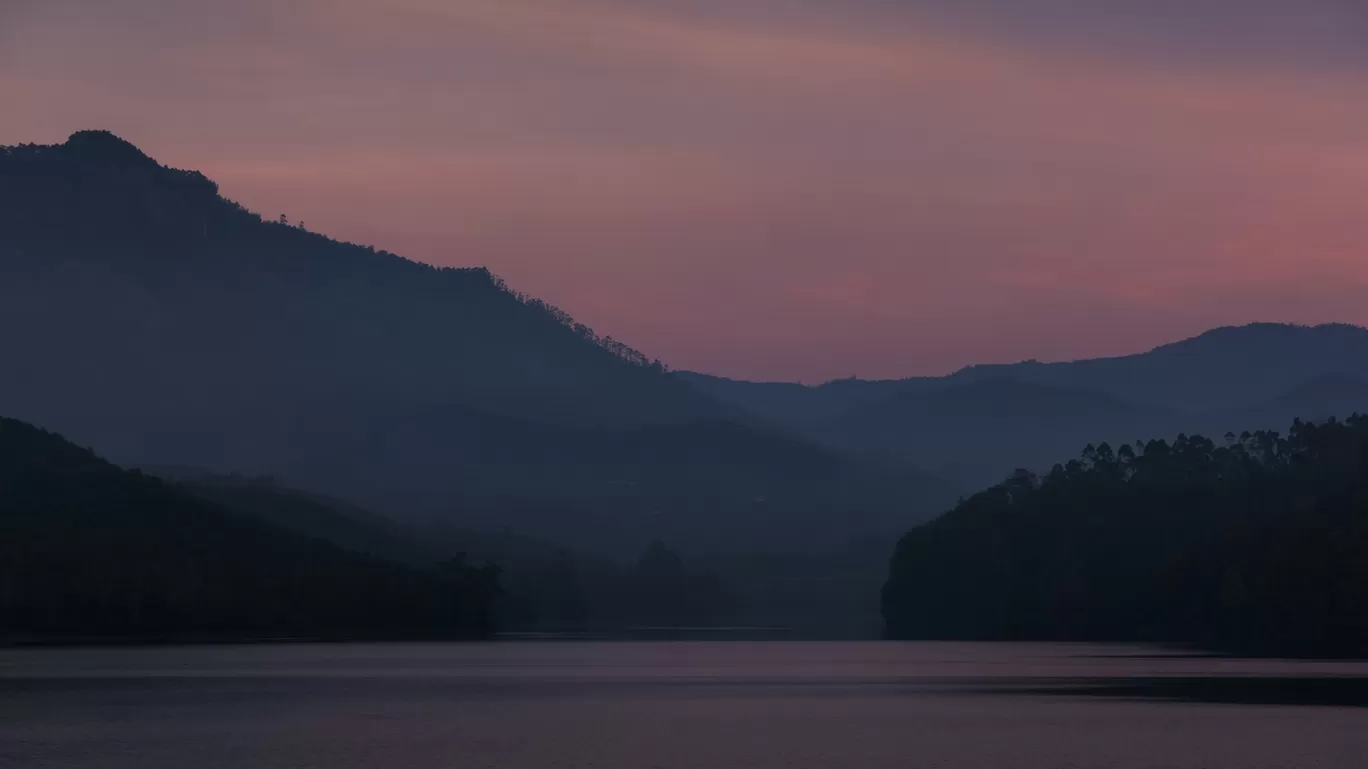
(1224, 367)
(144, 277)
(542, 586)
(88, 550)
(979, 424)
(1258, 545)
(978, 431)
(801, 406)
(143, 314)
(1333, 395)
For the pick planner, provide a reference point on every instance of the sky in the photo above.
(772, 189)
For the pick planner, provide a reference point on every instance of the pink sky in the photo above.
(777, 189)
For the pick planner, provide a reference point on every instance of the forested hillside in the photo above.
(144, 315)
(1252, 543)
(90, 551)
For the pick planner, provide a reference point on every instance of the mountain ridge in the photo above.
(1260, 375)
(166, 325)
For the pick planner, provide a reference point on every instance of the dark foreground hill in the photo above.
(143, 314)
(1258, 544)
(90, 551)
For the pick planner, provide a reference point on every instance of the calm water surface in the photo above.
(674, 706)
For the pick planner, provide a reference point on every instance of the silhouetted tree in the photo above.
(1256, 545)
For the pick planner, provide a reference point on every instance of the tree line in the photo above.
(1257, 543)
(90, 551)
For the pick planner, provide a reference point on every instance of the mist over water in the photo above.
(674, 706)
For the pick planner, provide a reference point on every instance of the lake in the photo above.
(663, 705)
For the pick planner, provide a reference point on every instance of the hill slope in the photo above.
(157, 282)
(1222, 368)
(978, 424)
(143, 314)
(977, 432)
(91, 551)
(1257, 546)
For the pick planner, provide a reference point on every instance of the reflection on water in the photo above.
(667, 705)
(1337, 691)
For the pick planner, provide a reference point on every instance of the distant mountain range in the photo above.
(144, 315)
(979, 424)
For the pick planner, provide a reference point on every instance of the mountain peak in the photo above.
(1254, 338)
(105, 147)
